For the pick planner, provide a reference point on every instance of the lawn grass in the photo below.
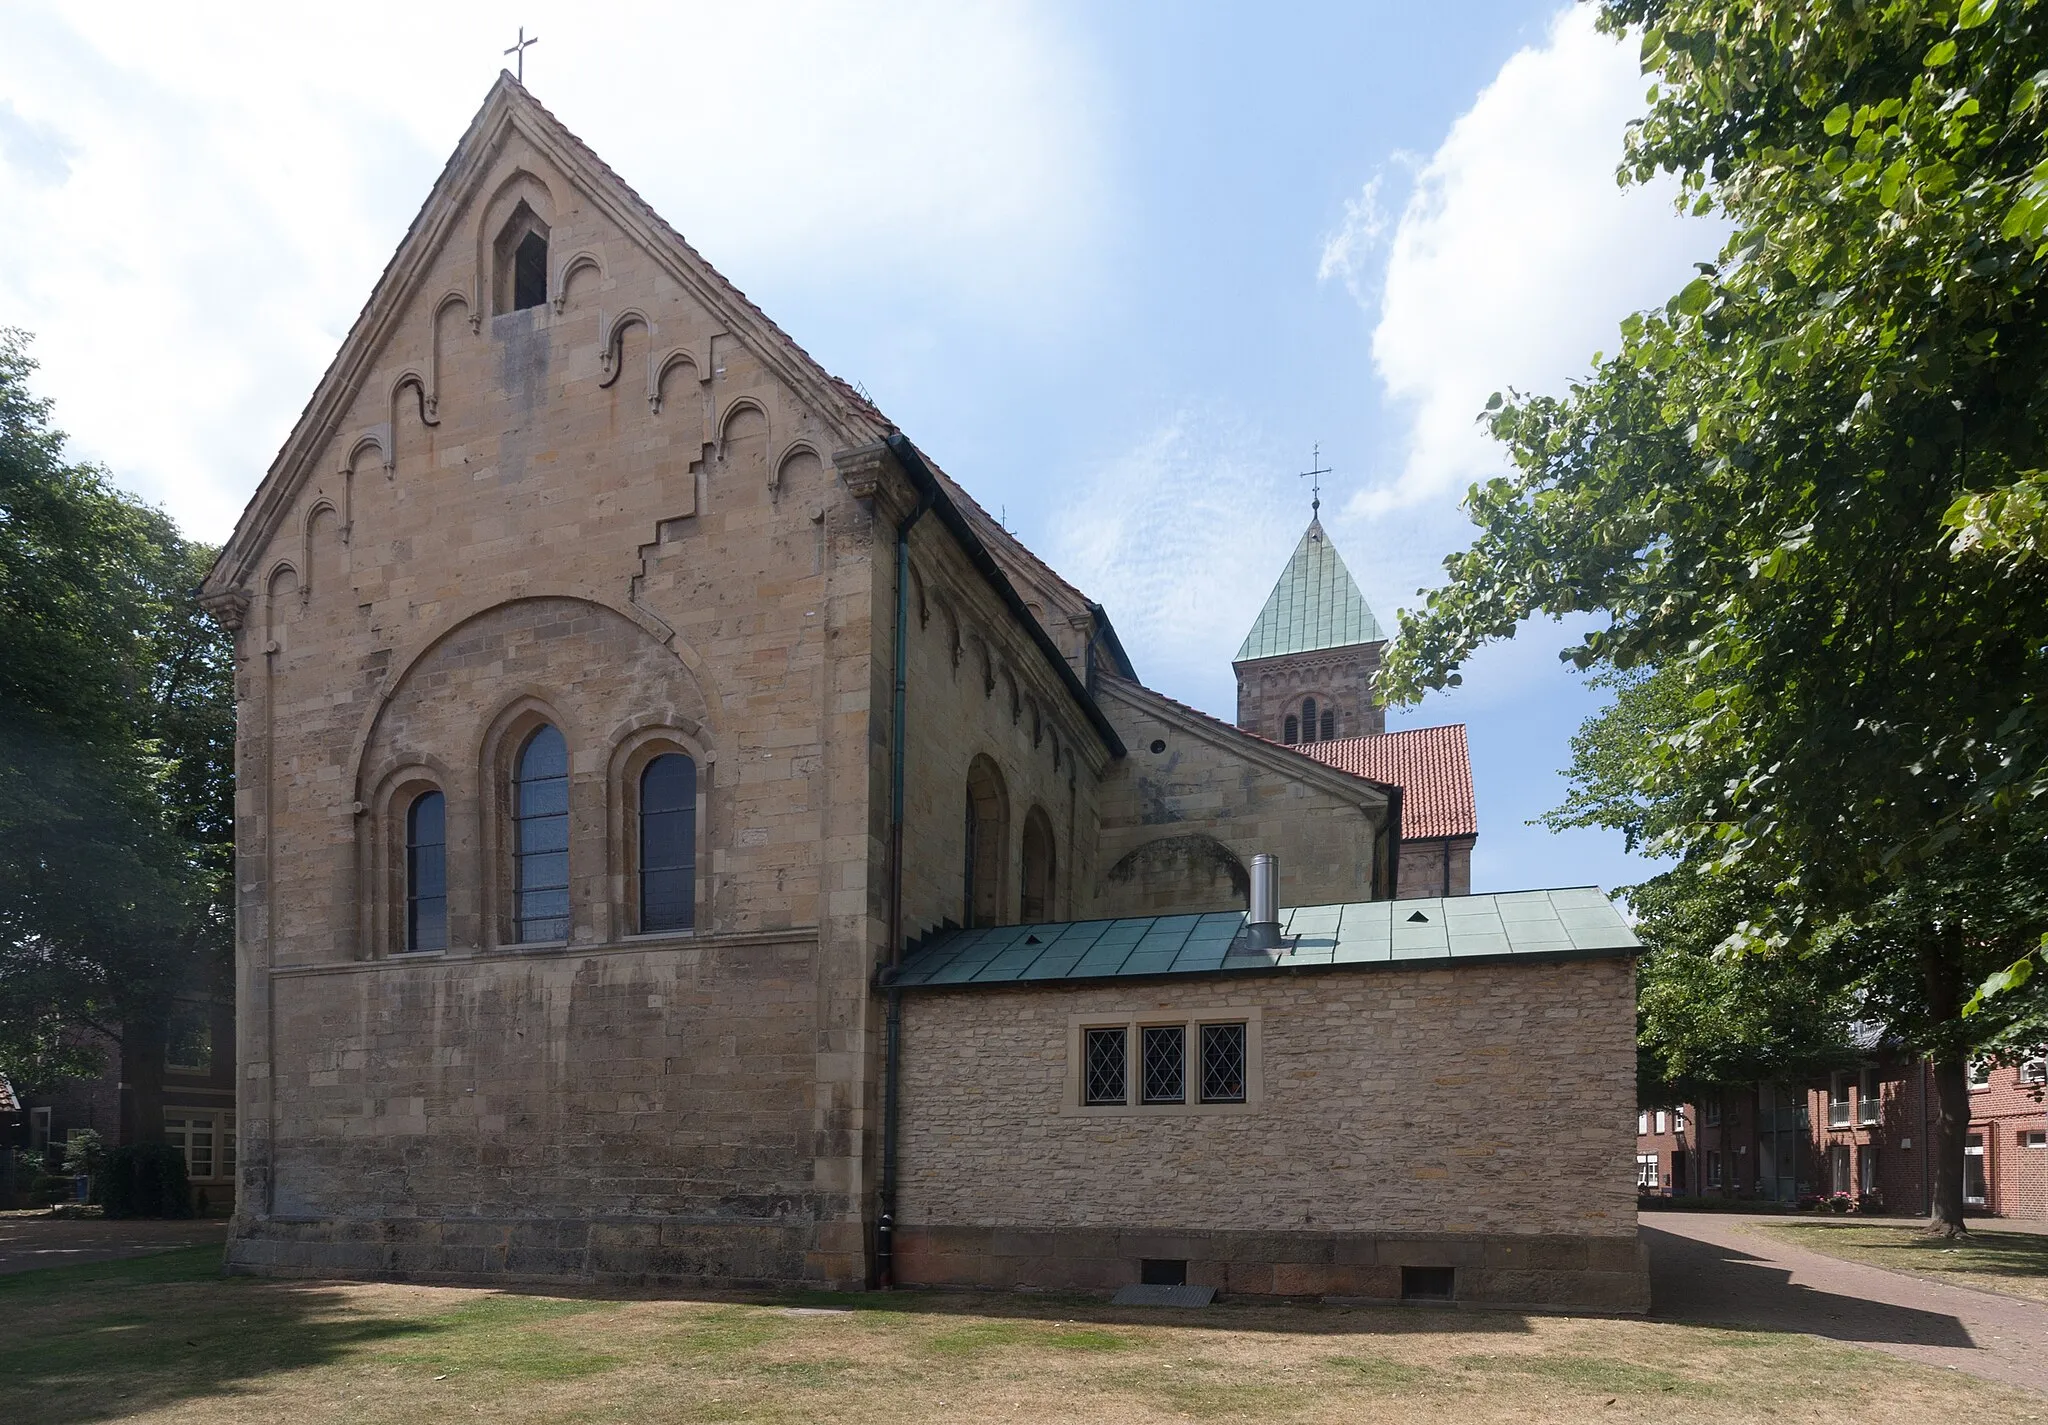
(166, 1339)
(2015, 1263)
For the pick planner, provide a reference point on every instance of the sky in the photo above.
(1118, 268)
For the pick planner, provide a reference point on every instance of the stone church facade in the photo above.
(620, 696)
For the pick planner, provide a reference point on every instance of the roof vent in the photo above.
(1032, 940)
(1262, 920)
(1418, 916)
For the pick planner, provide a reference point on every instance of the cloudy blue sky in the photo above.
(1117, 267)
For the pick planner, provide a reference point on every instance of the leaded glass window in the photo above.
(668, 843)
(1102, 1067)
(1223, 1063)
(1165, 1064)
(426, 873)
(540, 802)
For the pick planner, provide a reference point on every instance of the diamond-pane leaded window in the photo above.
(1166, 1064)
(1102, 1075)
(1223, 1063)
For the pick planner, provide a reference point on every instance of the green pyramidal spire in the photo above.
(1315, 605)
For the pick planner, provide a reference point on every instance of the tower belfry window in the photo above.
(530, 272)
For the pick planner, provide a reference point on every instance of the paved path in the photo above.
(1706, 1267)
(30, 1242)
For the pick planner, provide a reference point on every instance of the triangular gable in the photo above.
(1315, 604)
(510, 108)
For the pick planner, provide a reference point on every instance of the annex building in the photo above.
(681, 836)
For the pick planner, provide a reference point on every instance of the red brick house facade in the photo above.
(1861, 1133)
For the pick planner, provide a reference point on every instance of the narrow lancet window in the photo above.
(530, 272)
(540, 813)
(1308, 719)
(668, 843)
(1329, 725)
(426, 872)
(1292, 733)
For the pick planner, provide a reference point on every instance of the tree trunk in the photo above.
(1951, 1119)
(1941, 981)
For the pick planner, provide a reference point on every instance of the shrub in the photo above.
(146, 1180)
(1841, 1202)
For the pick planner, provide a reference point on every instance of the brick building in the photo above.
(621, 697)
(1860, 1133)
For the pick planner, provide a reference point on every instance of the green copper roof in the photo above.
(1315, 605)
(1579, 923)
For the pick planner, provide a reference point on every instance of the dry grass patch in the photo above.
(166, 1340)
(2014, 1263)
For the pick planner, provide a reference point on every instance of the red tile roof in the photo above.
(1430, 764)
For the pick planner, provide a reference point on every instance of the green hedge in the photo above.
(146, 1180)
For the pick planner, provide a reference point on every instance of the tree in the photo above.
(1755, 491)
(116, 733)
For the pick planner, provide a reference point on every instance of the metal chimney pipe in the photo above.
(1262, 921)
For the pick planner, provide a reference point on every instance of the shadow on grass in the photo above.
(1984, 1251)
(112, 1339)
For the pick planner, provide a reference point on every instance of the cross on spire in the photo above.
(519, 49)
(1315, 472)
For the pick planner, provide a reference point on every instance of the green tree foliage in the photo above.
(1756, 491)
(116, 746)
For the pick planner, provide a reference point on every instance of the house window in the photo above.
(1166, 1063)
(1678, 1119)
(1223, 1062)
(2033, 1138)
(1663, 1121)
(205, 1140)
(2034, 1072)
(1308, 719)
(1140, 1066)
(1642, 1123)
(1869, 1098)
(1292, 730)
(1712, 1111)
(39, 1130)
(540, 801)
(188, 1038)
(1980, 1074)
(668, 843)
(1976, 1180)
(1838, 1168)
(1646, 1173)
(1838, 1105)
(1866, 1171)
(1713, 1167)
(1103, 1074)
(426, 872)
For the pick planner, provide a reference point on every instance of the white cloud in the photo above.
(1516, 255)
(195, 200)
(1348, 252)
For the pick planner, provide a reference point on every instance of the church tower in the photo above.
(1305, 671)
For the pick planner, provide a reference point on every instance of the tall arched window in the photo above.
(540, 847)
(1329, 724)
(426, 872)
(1291, 732)
(1039, 868)
(988, 835)
(1308, 719)
(668, 844)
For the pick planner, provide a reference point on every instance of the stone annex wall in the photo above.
(1180, 825)
(1478, 1118)
(1426, 865)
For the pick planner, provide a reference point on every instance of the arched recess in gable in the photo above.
(577, 265)
(409, 418)
(743, 440)
(798, 464)
(438, 343)
(321, 554)
(669, 371)
(611, 341)
(280, 603)
(1175, 875)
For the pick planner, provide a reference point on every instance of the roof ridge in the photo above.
(1233, 728)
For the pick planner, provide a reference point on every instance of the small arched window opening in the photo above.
(668, 844)
(540, 847)
(987, 834)
(1291, 730)
(426, 872)
(1308, 719)
(1039, 868)
(1329, 724)
(521, 254)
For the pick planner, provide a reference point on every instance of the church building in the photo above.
(684, 840)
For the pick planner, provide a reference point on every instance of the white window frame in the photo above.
(1678, 1119)
(1642, 1122)
(1646, 1172)
(1979, 1075)
(1663, 1121)
(1869, 1096)
(2034, 1138)
(1710, 1112)
(1840, 1112)
(220, 1130)
(2034, 1072)
(1134, 1024)
(1713, 1167)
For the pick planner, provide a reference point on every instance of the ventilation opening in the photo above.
(1158, 745)
(1428, 1283)
(530, 272)
(1418, 919)
(1163, 1271)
